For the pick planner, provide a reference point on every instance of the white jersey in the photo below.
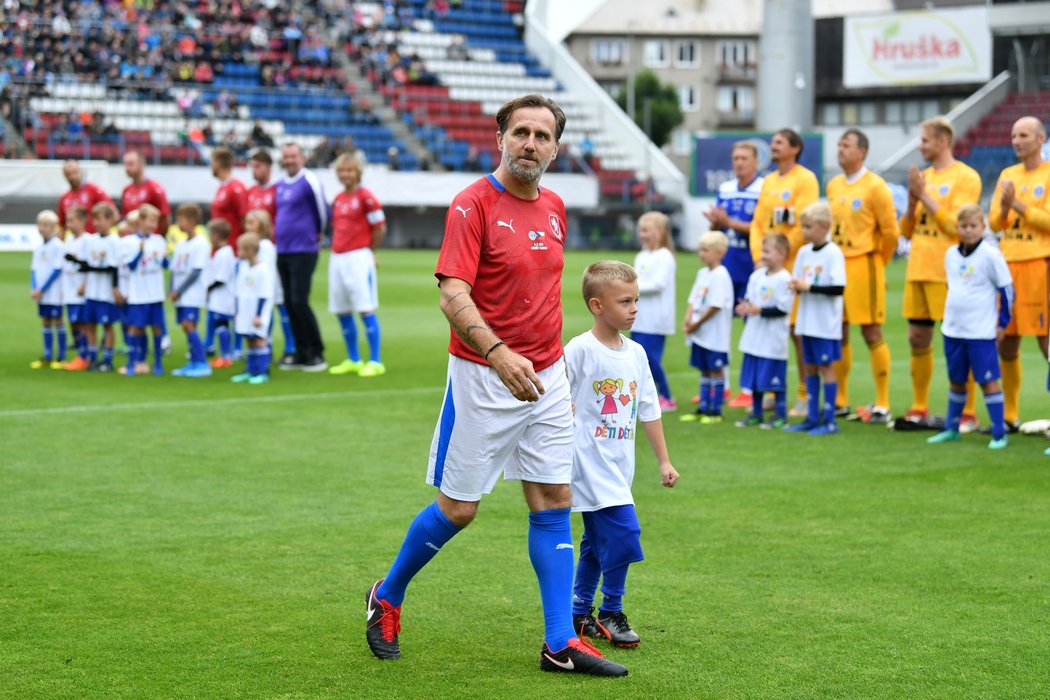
(146, 277)
(72, 278)
(712, 289)
(100, 251)
(190, 254)
(656, 292)
(612, 390)
(268, 256)
(125, 245)
(971, 309)
(768, 336)
(254, 285)
(47, 258)
(222, 269)
(820, 315)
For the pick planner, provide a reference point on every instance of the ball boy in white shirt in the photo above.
(222, 304)
(978, 277)
(189, 290)
(708, 324)
(820, 279)
(145, 255)
(254, 290)
(46, 289)
(612, 388)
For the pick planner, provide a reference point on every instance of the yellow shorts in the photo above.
(865, 295)
(924, 301)
(1029, 315)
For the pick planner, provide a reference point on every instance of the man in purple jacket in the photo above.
(302, 215)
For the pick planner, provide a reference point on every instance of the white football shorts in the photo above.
(352, 284)
(484, 431)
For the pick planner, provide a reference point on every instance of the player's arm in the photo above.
(1034, 217)
(516, 372)
(757, 229)
(190, 280)
(886, 216)
(654, 430)
(966, 190)
(997, 214)
(654, 280)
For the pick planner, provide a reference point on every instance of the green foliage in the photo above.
(194, 538)
(666, 112)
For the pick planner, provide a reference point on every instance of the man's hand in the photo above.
(1007, 194)
(717, 216)
(516, 373)
(916, 182)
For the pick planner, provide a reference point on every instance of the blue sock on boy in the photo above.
(813, 389)
(705, 395)
(718, 391)
(956, 403)
(49, 342)
(61, 332)
(286, 329)
(831, 389)
(994, 403)
(614, 585)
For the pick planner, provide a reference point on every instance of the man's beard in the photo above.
(523, 172)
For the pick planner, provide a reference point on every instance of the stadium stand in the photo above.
(986, 147)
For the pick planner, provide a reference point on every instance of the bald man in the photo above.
(80, 194)
(1021, 211)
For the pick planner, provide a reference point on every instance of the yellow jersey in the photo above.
(931, 235)
(864, 219)
(781, 201)
(1024, 237)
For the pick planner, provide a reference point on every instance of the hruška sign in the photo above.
(917, 48)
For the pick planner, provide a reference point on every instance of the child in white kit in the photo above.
(254, 309)
(655, 265)
(74, 282)
(189, 290)
(46, 289)
(222, 302)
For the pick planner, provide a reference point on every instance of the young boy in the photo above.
(188, 290)
(145, 254)
(222, 274)
(978, 276)
(708, 324)
(254, 309)
(767, 306)
(820, 279)
(358, 227)
(74, 279)
(603, 455)
(101, 286)
(46, 290)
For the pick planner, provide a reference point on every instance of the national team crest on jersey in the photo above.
(537, 240)
(1038, 191)
(944, 190)
(785, 195)
(856, 204)
(555, 226)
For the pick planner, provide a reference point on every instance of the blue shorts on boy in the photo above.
(761, 374)
(49, 310)
(145, 315)
(978, 355)
(707, 360)
(103, 312)
(76, 313)
(614, 536)
(186, 313)
(820, 351)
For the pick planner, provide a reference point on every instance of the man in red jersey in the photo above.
(80, 194)
(143, 191)
(507, 408)
(231, 199)
(263, 194)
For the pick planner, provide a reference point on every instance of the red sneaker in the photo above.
(579, 657)
(77, 364)
(741, 400)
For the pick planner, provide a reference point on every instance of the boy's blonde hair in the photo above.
(189, 210)
(715, 240)
(598, 275)
(220, 228)
(47, 217)
(662, 223)
(778, 241)
(265, 224)
(148, 210)
(248, 242)
(970, 211)
(818, 213)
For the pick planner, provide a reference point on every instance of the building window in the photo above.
(681, 142)
(657, 54)
(867, 113)
(736, 100)
(687, 54)
(849, 114)
(930, 108)
(613, 87)
(688, 100)
(892, 112)
(608, 52)
(911, 112)
(831, 114)
(736, 54)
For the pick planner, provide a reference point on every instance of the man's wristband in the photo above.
(494, 346)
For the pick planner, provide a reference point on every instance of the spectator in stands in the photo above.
(472, 163)
(393, 158)
(348, 146)
(302, 217)
(587, 149)
(259, 137)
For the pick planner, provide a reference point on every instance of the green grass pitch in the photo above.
(178, 538)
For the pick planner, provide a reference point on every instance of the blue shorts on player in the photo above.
(76, 313)
(707, 360)
(187, 313)
(143, 315)
(49, 310)
(820, 351)
(761, 374)
(104, 312)
(968, 354)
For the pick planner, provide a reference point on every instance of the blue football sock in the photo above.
(209, 332)
(705, 396)
(756, 405)
(718, 393)
(286, 329)
(238, 343)
(349, 328)
(193, 339)
(92, 354)
(830, 390)
(158, 348)
(427, 534)
(264, 360)
(249, 362)
(813, 389)
(614, 585)
(133, 352)
(956, 403)
(222, 334)
(49, 342)
(372, 333)
(550, 550)
(80, 340)
(107, 355)
(164, 324)
(994, 404)
(588, 572)
(61, 342)
(780, 404)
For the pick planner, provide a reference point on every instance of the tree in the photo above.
(665, 112)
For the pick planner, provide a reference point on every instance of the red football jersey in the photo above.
(260, 197)
(231, 204)
(147, 192)
(511, 252)
(87, 196)
(354, 215)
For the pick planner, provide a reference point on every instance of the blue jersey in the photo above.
(740, 205)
